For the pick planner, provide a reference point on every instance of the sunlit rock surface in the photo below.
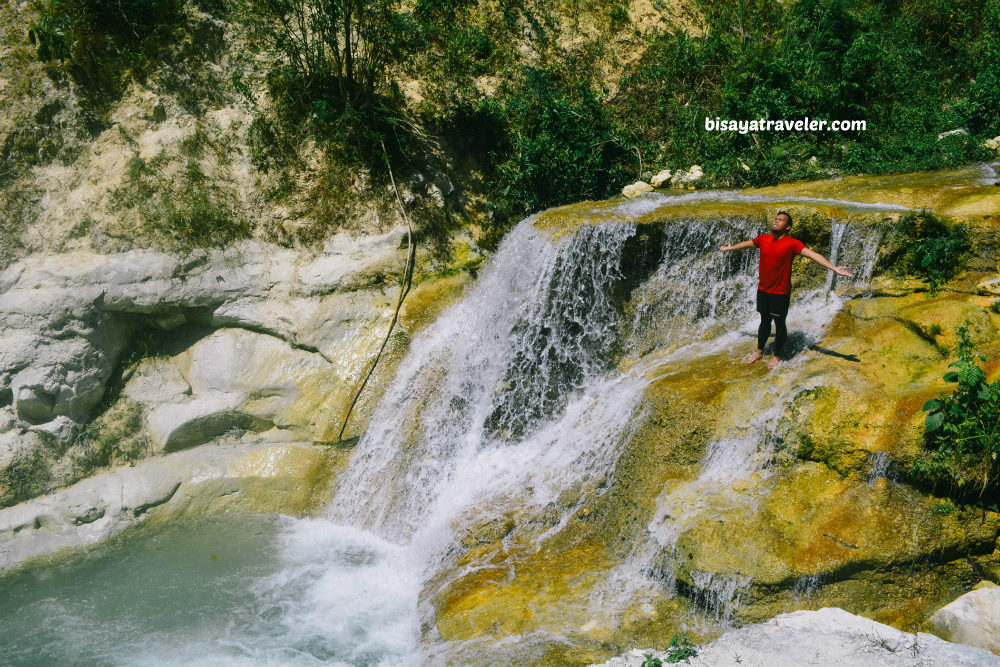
(828, 636)
(734, 494)
(972, 619)
(247, 339)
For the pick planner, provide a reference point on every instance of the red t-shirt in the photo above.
(776, 262)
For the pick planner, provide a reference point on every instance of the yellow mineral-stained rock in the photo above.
(824, 517)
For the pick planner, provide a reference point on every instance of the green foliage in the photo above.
(943, 508)
(680, 648)
(331, 64)
(962, 429)
(651, 661)
(618, 16)
(905, 69)
(102, 46)
(189, 209)
(558, 145)
(923, 245)
(549, 133)
(982, 105)
(995, 307)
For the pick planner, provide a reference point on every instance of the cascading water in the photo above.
(511, 410)
(836, 236)
(511, 398)
(485, 378)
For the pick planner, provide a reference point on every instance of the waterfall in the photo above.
(482, 381)
(507, 425)
(516, 402)
(836, 234)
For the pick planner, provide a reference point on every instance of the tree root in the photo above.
(405, 289)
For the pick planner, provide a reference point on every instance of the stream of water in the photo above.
(513, 398)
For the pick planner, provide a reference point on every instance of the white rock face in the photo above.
(636, 189)
(662, 179)
(972, 619)
(65, 320)
(826, 637)
(232, 380)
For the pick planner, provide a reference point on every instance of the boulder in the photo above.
(952, 133)
(51, 377)
(636, 189)
(690, 176)
(662, 179)
(828, 636)
(993, 144)
(972, 619)
(231, 381)
(62, 429)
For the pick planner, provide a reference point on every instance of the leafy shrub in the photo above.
(651, 661)
(558, 145)
(962, 429)
(908, 71)
(330, 65)
(680, 648)
(101, 46)
(923, 245)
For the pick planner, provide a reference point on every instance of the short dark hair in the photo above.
(785, 213)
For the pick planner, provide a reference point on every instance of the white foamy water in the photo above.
(490, 389)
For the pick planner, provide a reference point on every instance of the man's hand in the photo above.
(739, 246)
(825, 263)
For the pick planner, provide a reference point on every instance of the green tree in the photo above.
(331, 62)
(559, 145)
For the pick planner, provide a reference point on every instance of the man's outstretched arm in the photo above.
(739, 246)
(825, 263)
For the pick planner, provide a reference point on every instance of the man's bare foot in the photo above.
(755, 357)
(771, 365)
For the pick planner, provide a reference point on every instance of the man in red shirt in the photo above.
(777, 250)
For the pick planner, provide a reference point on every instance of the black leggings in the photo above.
(764, 331)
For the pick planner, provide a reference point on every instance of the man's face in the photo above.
(782, 223)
